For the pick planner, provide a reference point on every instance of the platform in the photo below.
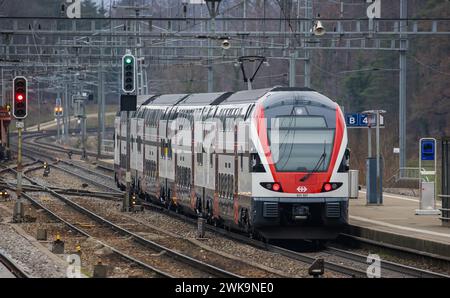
(395, 223)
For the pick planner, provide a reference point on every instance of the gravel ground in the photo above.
(92, 250)
(330, 257)
(108, 183)
(419, 263)
(214, 241)
(180, 244)
(111, 238)
(60, 179)
(33, 261)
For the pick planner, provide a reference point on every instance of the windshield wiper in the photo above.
(318, 164)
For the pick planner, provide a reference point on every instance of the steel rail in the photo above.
(107, 177)
(216, 271)
(96, 183)
(392, 266)
(12, 267)
(259, 244)
(84, 233)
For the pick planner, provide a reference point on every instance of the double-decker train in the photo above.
(269, 161)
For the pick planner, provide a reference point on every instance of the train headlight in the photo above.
(273, 186)
(329, 186)
(276, 186)
(300, 111)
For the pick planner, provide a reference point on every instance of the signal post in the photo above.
(128, 102)
(58, 115)
(20, 112)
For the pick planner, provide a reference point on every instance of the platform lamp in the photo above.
(318, 29)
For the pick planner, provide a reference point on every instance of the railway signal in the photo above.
(20, 94)
(58, 111)
(128, 73)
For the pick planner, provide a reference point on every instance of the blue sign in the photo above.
(428, 149)
(363, 120)
(352, 120)
(360, 120)
(356, 120)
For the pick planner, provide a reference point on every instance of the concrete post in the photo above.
(402, 84)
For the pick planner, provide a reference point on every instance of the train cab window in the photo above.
(345, 163)
(256, 165)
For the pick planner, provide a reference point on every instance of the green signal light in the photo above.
(128, 60)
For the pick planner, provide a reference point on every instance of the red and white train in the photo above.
(272, 161)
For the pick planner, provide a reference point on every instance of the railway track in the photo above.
(304, 258)
(131, 241)
(12, 267)
(341, 255)
(345, 262)
(62, 149)
(72, 168)
(407, 271)
(346, 240)
(88, 175)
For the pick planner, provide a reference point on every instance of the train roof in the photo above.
(216, 98)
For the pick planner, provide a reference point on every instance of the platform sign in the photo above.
(359, 120)
(427, 149)
(351, 120)
(363, 120)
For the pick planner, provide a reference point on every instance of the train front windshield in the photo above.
(300, 130)
(300, 144)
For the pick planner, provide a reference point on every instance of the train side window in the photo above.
(345, 163)
(256, 165)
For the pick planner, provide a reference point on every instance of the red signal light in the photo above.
(19, 97)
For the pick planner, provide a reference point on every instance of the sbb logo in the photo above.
(302, 189)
